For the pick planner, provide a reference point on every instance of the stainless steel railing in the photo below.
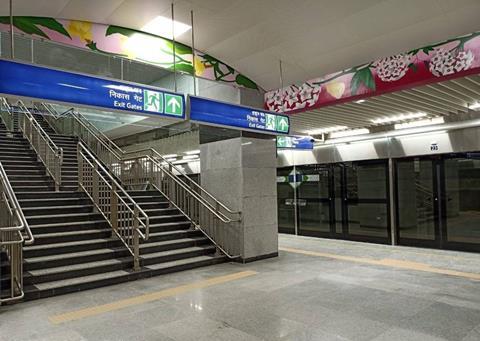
(127, 220)
(75, 124)
(6, 113)
(206, 213)
(183, 177)
(14, 232)
(47, 151)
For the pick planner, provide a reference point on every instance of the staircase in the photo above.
(74, 248)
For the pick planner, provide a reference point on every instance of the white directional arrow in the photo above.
(173, 102)
(283, 124)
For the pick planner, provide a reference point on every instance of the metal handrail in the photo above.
(217, 203)
(120, 154)
(115, 149)
(202, 214)
(6, 113)
(47, 151)
(13, 227)
(118, 161)
(75, 124)
(124, 215)
(7, 188)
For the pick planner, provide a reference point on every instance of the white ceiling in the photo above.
(311, 37)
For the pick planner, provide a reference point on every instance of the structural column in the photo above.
(241, 172)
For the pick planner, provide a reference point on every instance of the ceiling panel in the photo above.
(79, 10)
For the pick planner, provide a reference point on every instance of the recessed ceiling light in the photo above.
(169, 156)
(325, 130)
(346, 133)
(475, 106)
(162, 26)
(420, 123)
(193, 152)
(397, 118)
(360, 101)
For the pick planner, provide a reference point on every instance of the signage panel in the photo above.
(295, 142)
(49, 84)
(209, 111)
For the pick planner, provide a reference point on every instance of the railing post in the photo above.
(80, 167)
(114, 209)
(152, 175)
(136, 241)
(95, 186)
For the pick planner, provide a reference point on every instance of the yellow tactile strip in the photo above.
(393, 263)
(101, 309)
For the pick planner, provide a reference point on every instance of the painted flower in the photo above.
(464, 60)
(274, 100)
(445, 62)
(335, 89)
(81, 29)
(392, 68)
(291, 96)
(309, 94)
(199, 66)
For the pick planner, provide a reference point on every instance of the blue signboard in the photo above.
(48, 84)
(295, 142)
(209, 111)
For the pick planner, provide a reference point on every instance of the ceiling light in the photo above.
(325, 130)
(360, 101)
(190, 157)
(162, 26)
(420, 123)
(397, 118)
(346, 133)
(475, 106)
(193, 152)
(171, 159)
(169, 156)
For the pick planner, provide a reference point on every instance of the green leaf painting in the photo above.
(246, 82)
(30, 25)
(179, 48)
(112, 29)
(363, 76)
(183, 67)
(106, 41)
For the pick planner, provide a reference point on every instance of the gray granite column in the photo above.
(241, 172)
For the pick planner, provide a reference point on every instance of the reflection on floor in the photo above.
(322, 293)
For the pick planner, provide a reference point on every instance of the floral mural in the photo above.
(128, 43)
(450, 58)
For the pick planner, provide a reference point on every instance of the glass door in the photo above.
(313, 201)
(286, 197)
(367, 209)
(438, 201)
(417, 202)
(460, 204)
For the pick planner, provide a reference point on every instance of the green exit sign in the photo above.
(163, 103)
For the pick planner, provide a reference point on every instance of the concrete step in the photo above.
(63, 237)
(59, 227)
(69, 247)
(176, 254)
(50, 210)
(114, 277)
(64, 218)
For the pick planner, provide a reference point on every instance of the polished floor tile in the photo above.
(297, 297)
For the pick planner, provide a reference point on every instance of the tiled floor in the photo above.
(292, 297)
